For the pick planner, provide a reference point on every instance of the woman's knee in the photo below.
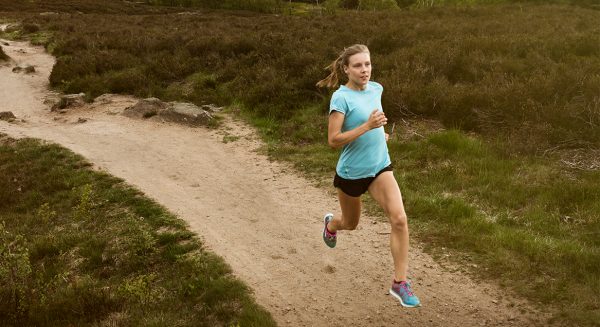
(399, 221)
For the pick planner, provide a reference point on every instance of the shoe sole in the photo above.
(325, 226)
(402, 302)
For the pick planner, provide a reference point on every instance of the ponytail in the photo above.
(336, 68)
(332, 81)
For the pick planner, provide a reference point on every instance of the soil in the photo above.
(262, 217)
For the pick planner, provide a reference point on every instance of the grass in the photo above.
(80, 247)
(514, 86)
(477, 68)
(509, 216)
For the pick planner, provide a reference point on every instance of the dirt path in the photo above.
(261, 217)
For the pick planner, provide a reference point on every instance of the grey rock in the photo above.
(176, 112)
(104, 98)
(69, 101)
(186, 114)
(28, 69)
(145, 108)
(7, 116)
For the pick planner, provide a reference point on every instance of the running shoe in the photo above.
(403, 292)
(329, 238)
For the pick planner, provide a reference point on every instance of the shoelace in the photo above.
(406, 287)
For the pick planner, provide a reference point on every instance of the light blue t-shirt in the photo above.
(368, 154)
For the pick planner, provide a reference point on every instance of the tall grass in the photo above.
(254, 5)
(528, 74)
(81, 248)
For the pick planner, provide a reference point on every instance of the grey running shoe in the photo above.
(329, 238)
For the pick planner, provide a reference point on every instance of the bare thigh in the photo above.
(385, 190)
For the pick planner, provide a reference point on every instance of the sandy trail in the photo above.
(260, 216)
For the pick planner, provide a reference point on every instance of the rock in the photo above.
(186, 114)
(68, 101)
(48, 13)
(7, 116)
(5, 43)
(8, 28)
(145, 108)
(27, 69)
(81, 120)
(176, 112)
(52, 99)
(211, 108)
(104, 98)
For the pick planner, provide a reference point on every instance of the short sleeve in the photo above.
(338, 103)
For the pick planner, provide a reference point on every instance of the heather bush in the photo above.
(254, 5)
(491, 69)
(377, 4)
(487, 69)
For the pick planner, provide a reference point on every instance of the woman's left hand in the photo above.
(387, 137)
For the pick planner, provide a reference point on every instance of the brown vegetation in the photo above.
(528, 74)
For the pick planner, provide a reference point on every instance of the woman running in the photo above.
(356, 121)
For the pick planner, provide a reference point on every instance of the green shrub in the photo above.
(377, 4)
(15, 275)
(255, 5)
(30, 28)
(331, 6)
(466, 66)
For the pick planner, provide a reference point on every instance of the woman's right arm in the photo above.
(336, 138)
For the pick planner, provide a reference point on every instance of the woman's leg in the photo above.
(385, 190)
(350, 213)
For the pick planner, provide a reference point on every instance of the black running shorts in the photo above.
(356, 187)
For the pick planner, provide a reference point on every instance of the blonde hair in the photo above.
(337, 66)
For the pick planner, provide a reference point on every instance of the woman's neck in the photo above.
(355, 87)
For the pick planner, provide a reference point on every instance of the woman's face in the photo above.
(358, 70)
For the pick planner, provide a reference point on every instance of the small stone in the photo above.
(495, 301)
(81, 120)
(7, 115)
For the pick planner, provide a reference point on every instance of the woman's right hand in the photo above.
(376, 119)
